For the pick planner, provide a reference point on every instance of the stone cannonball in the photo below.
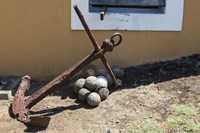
(79, 84)
(89, 70)
(118, 71)
(102, 81)
(83, 94)
(93, 99)
(103, 93)
(102, 72)
(91, 83)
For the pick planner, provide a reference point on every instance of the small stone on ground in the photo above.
(5, 94)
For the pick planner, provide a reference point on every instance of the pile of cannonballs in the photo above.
(93, 85)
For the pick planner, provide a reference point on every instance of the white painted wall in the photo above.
(170, 21)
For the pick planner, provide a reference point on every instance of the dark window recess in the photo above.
(126, 6)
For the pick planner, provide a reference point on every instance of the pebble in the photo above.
(117, 121)
(2, 85)
(12, 85)
(5, 94)
(179, 92)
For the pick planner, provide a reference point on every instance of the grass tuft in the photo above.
(151, 127)
(184, 119)
(183, 109)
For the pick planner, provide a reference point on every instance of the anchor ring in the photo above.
(113, 41)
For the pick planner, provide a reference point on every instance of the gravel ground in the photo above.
(145, 103)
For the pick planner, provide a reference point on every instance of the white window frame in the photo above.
(171, 20)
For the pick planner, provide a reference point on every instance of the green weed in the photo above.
(151, 127)
(184, 119)
(184, 109)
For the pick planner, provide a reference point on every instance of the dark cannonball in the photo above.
(89, 70)
(118, 72)
(102, 72)
(110, 82)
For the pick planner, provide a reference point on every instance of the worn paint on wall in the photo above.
(36, 39)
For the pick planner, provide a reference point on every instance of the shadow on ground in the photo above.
(140, 75)
(134, 76)
(161, 71)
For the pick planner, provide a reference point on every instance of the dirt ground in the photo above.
(152, 98)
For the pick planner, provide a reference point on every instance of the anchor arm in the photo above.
(48, 88)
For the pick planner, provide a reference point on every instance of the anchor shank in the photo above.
(87, 29)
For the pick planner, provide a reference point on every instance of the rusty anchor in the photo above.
(19, 109)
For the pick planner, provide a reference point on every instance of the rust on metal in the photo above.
(21, 104)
